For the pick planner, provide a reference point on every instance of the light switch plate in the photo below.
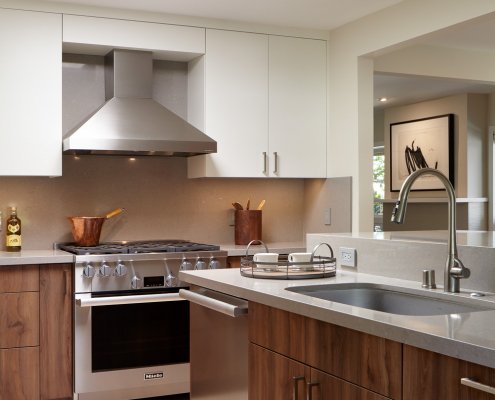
(327, 216)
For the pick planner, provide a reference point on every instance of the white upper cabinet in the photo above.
(236, 105)
(297, 127)
(92, 35)
(264, 104)
(30, 93)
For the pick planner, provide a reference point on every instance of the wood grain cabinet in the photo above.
(336, 362)
(274, 376)
(432, 376)
(30, 93)
(56, 331)
(36, 332)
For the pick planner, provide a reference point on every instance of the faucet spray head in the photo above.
(398, 213)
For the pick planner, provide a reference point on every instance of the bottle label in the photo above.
(13, 240)
(13, 228)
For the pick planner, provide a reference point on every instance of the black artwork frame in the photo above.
(420, 143)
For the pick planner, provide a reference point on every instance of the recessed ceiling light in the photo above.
(382, 99)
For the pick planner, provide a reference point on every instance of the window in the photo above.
(378, 187)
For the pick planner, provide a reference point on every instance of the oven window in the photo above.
(139, 335)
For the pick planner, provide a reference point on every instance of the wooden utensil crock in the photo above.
(247, 226)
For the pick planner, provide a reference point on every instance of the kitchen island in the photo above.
(427, 344)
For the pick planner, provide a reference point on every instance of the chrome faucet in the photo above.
(454, 269)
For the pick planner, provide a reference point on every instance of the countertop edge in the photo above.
(25, 257)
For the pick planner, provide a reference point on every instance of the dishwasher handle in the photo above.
(222, 303)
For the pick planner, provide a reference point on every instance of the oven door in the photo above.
(131, 345)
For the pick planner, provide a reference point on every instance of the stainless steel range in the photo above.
(131, 329)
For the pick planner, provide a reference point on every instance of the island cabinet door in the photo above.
(327, 387)
(275, 377)
(432, 376)
(365, 360)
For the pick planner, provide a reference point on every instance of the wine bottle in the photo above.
(13, 231)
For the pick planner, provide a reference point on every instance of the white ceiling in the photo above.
(313, 14)
(407, 89)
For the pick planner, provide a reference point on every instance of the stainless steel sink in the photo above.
(393, 299)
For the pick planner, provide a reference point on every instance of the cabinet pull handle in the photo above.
(275, 164)
(476, 385)
(264, 162)
(309, 389)
(295, 384)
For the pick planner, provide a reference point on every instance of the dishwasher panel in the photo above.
(219, 347)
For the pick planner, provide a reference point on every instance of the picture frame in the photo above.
(422, 143)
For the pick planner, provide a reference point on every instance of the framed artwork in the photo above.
(422, 143)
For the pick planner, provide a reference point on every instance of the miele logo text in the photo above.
(155, 375)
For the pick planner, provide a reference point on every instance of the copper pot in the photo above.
(87, 230)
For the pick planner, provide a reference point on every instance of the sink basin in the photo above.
(391, 299)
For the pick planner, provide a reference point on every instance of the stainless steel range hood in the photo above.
(130, 122)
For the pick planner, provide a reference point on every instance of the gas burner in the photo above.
(166, 246)
(104, 248)
(141, 246)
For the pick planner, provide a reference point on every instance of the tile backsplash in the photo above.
(160, 201)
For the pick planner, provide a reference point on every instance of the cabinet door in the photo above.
(432, 376)
(19, 378)
(30, 93)
(366, 360)
(297, 87)
(236, 105)
(273, 376)
(19, 319)
(56, 331)
(19, 278)
(328, 387)
(278, 330)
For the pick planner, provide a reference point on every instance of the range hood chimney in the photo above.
(130, 122)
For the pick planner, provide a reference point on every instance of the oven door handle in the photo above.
(220, 302)
(83, 301)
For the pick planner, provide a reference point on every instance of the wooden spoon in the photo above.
(237, 206)
(260, 206)
(247, 205)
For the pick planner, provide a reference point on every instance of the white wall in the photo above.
(350, 124)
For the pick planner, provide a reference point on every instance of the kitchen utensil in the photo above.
(260, 206)
(86, 230)
(247, 205)
(237, 206)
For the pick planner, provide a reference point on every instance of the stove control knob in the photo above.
(186, 265)
(104, 270)
(200, 264)
(88, 271)
(214, 263)
(120, 269)
(135, 282)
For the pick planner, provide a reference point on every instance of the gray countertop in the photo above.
(59, 256)
(35, 257)
(468, 336)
